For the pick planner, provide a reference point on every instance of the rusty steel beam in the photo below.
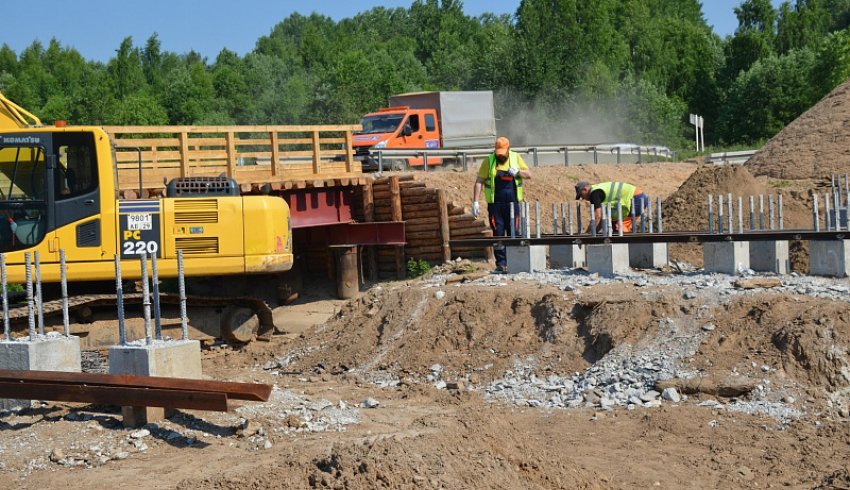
(233, 391)
(114, 395)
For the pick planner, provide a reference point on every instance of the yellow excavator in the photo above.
(58, 192)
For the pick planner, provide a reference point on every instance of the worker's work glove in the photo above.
(513, 171)
(476, 210)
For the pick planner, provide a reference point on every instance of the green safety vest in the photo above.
(616, 191)
(490, 183)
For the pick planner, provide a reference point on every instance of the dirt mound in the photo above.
(686, 209)
(800, 337)
(815, 145)
(409, 329)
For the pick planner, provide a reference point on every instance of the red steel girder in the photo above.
(234, 391)
(375, 233)
(318, 206)
(115, 395)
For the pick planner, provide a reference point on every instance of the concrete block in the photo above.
(648, 255)
(769, 256)
(829, 258)
(53, 352)
(567, 256)
(528, 258)
(726, 257)
(608, 259)
(172, 359)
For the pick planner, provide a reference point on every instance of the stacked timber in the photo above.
(430, 222)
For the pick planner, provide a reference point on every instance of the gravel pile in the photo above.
(300, 414)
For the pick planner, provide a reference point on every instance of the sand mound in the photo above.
(815, 145)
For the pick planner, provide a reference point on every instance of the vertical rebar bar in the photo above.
(39, 303)
(146, 297)
(847, 189)
(649, 215)
(837, 207)
(781, 215)
(761, 211)
(527, 220)
(752, 213)
(619, 218)
(564, 218)
(157, 318)
(740, 214)
(632, 216)
(554, 218)
(606, 216)
(731, 212)
(720, 219)
(592, 221)
(30, 302)
(660, 215)
(815, 217)
(63, 279)
(181, 285)
(6, 328)
(513, 220)
(771, 207)
(826, 212)
(119, 301)
(578, 219)
(537, 218)
(710, 214)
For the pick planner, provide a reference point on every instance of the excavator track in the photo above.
(238, 325)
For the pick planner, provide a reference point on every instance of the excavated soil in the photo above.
(814, 146)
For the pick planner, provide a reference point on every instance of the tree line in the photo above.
(637, 67)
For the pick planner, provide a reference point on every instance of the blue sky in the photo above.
(96, 27)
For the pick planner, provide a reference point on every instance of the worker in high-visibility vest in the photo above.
(608, 194)
(501, 175)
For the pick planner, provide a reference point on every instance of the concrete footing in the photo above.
(567, 256)
(648, 255)
(173, 359)
(529, 258)
(770, 257)
(45, 353)
(829, 258)
(608, 259)
(726, 257)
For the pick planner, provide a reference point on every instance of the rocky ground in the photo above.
(559, 379)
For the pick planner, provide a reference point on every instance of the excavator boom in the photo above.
(14, 116)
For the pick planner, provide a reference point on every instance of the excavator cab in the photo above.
(47, 180)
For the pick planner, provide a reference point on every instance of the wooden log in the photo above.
(430, 228)
(382, 195)
(396, 215)
(416, 191)
(456, 212)
(419, 235)
(401, 178)
(412, 185)
(421, 199)
(423, 214)
(423, 242)
(421, 221)
(445, 235)
(413, 251)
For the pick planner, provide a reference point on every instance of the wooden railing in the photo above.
(253, 155)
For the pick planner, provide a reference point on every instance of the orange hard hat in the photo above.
(502, 146)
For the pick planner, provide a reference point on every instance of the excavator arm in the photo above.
(13, 116)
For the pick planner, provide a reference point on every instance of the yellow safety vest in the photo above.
(616, 191)
(490, 183)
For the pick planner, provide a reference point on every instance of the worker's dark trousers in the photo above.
(500, 223)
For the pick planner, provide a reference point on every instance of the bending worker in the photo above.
(608, 194)
(501, 176)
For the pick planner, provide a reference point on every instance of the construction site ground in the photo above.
(460, 379)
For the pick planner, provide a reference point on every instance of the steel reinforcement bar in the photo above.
(669, 237)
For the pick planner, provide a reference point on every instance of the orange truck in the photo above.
(426, 121)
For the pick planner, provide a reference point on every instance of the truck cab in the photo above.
(399, 127)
